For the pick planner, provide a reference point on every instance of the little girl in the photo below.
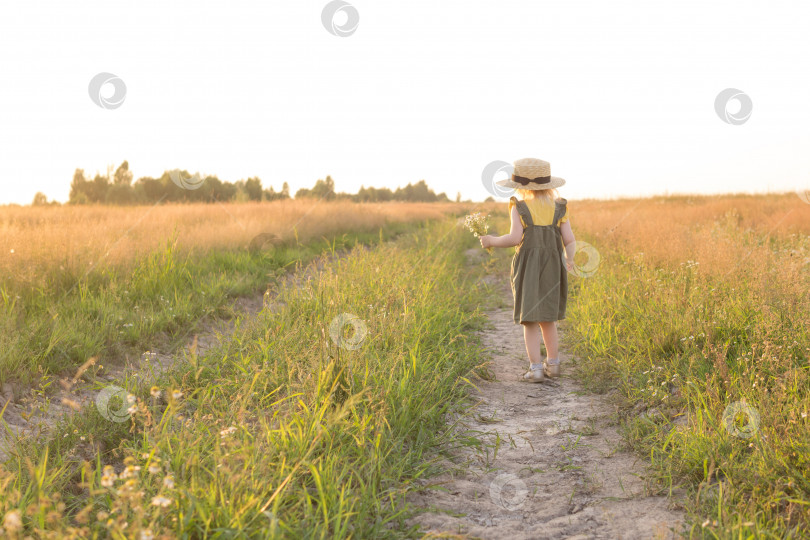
(540, 229)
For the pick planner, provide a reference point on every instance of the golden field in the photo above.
(699, 315)
(715, 230)
(34, 240)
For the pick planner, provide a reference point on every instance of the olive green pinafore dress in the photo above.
(539, 278)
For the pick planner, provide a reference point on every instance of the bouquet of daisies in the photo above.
(478, 225)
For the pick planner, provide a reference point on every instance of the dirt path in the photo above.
(35, 410)
(560, 471)
(31, 411)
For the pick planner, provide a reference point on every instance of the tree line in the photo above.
(180, 186)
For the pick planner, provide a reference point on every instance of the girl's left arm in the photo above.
(508, 240)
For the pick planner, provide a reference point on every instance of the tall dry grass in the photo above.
(699, 314)
(36, 240)
(716, 231)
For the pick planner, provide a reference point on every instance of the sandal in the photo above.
(551, 368)
(534, 375)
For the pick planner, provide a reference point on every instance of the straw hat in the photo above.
(530, 173)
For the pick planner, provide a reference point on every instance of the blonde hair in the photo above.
(528, 194)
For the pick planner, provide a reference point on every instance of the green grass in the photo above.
(279, 432)
(686, 344)
(56, 328)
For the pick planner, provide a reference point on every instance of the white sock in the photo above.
(536, 366)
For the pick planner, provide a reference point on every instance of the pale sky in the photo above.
(618, 96)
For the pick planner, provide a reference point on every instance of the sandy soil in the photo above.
(560, 471)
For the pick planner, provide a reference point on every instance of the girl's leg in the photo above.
(550, 338)
(531, 335)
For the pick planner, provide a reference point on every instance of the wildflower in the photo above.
(169, 482)
(477, 223)
(154, 468)
(128, 486)
(161, 501)
(177, 394)
(131, 398)
(130, 471)
(227, 431)
(108, 478)
(155, 391)
(13, 520)
(132, 410)
(146, 534)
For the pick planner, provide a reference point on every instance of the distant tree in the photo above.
(324, 189)
(117, 188)
(40, 199)
(123, 176)
(211, 189)
(148, 189)
(80, 198)
(120, 194)
(98, 188)
(78, 188)
(225, 191)
(419, 192)
(253, 187)
(489, 199)
(372, 194)
(271, 194)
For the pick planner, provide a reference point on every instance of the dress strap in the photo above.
(524, 212)
(559, 210)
